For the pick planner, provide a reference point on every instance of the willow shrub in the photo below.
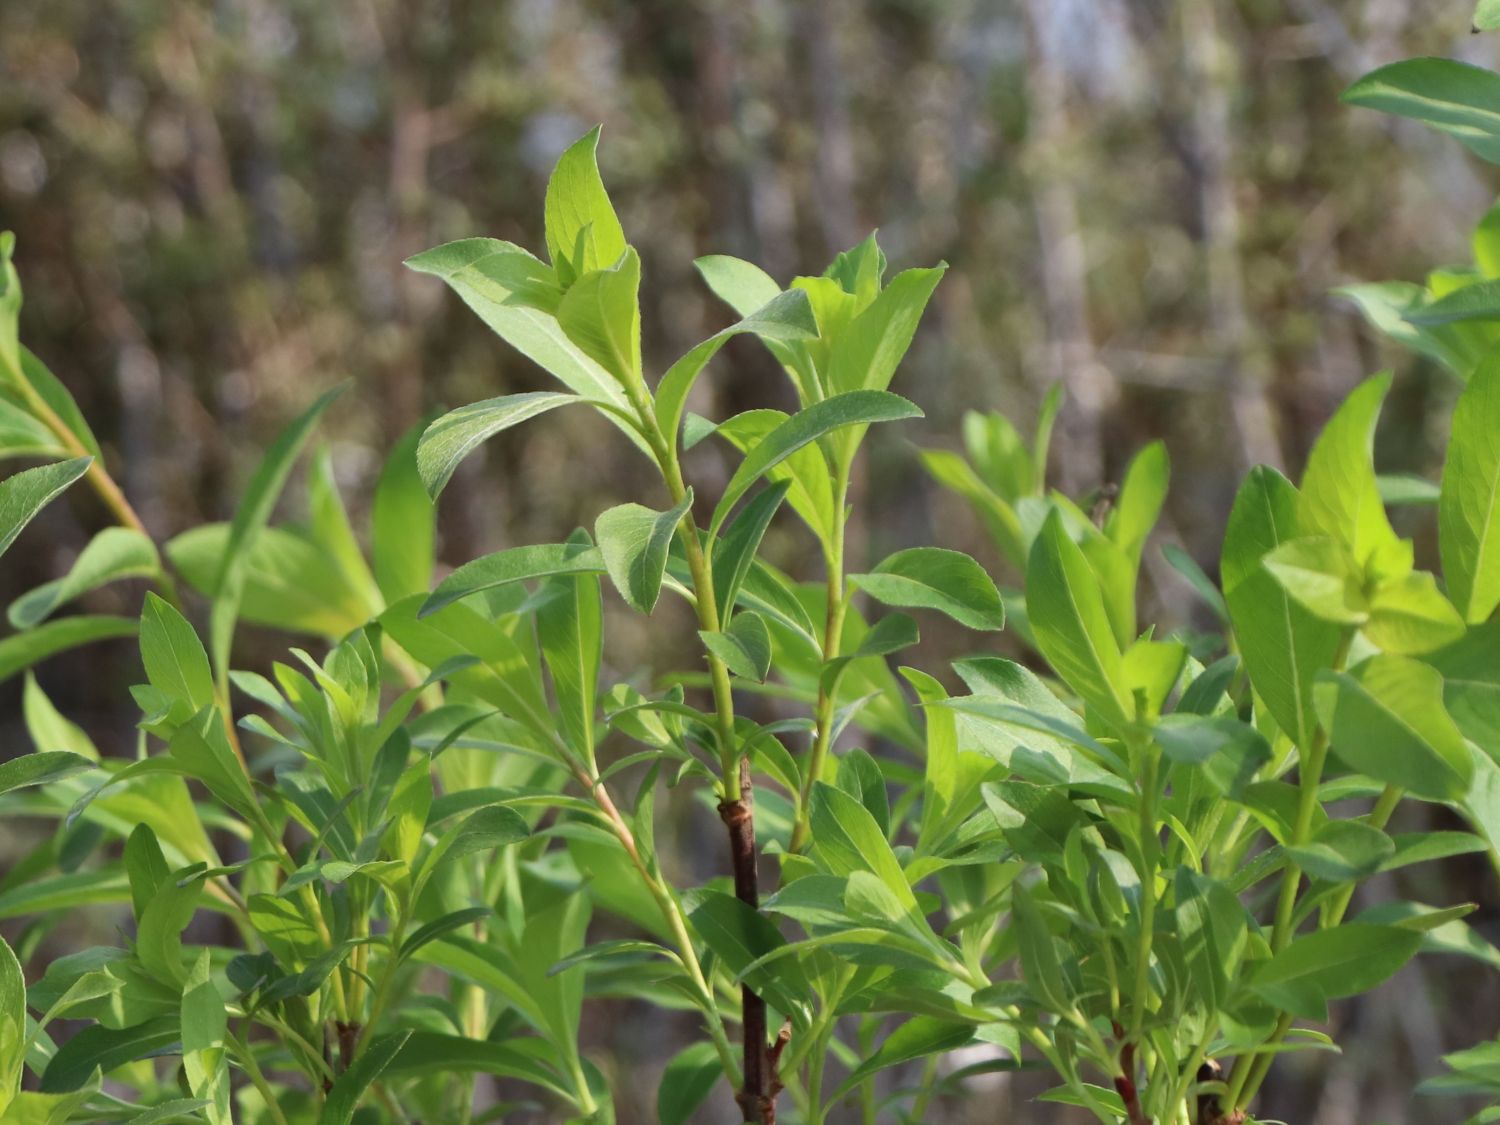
(1129, 860)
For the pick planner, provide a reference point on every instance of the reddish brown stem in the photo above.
(757, 1095)
(1125, 1086)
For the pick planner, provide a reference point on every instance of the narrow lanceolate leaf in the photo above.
(1070, 624)
(933, 578)
(1459, 99)
(634, 541)
(685, 1084)
(1282, 643)
(1142, 494)
(458, 433)
(40, 769)
(103, 1048)
(12, 1025)
(402, 524)
(176, 663)
(205, 1062)
(735, 552)
(917, 1038)
(873, 344)
(1479, 301)
(115, 553)
(744, 648)
(570, 629)
(517, 564)
(1340, 497)
(350, 1087)
(21, 651)
(1469, 504)
(806, 426)
(781, 318)
(249, 518)
(1386, 718)
(26, 493)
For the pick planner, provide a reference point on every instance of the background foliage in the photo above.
(1149, 200)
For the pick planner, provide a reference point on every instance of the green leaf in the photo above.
(1040, 965)
(741, 936)
(583, 232)
(1409, 615)
(444, 925)
(570, 629)
(914, 1039)
(350, 1087)
(1469, 503)
(1385, 718)
(205, 1062)
(1459, 99)
(601, 313)
(1067, 616)
(174, 657)
(1479, 301)
(735, 552)
(60, 399)
(517, 564)
(452, 437)
(1139, 504)
(686, 1083)
(480, 831)
(744, 648)
(847, 838)
(26, 493)
(933, 578)
(1340, 497)
(40, 769)
(868, 350)
(804, 427)
(12, 1024)
(402, 523)
(249, 518)
(781, 317)
(1344, 851)
(113, 554)
(20, 652)
(1487, 15)
(1322, 576)
(517, 296)
(1328, 964)
(103, 1048)
(1283, 644)
(634, 541)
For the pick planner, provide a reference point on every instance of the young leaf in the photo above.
(806, 426)
(744, 648)
(601, 313)
(1409, 615)
(634, 541)
(26, 493)
(868, 350)
(583, 232)
(1071, 627)
(1322, 576)
(1142, 494)
(175, 661)
(1283, 644)
(1469, 504)
(1385, 718)
(933, 578)
(1339, 496)
(517, 564)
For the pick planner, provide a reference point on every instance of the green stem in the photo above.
(833, 630)
(252, 1068)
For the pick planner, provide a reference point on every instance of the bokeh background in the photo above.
(1147, 200)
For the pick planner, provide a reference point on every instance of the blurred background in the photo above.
(1147, 200)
